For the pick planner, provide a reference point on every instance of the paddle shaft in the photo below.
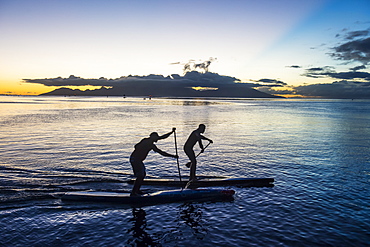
(177, 158)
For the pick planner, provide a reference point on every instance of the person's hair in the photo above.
(201, 126)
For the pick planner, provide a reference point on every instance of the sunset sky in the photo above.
(311, 48)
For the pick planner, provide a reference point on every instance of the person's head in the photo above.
(154, 136)
(202, 128)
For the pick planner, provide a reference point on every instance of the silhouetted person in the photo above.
(195, 136)
(140, 153)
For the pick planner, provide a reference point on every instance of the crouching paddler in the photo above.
(139, 155)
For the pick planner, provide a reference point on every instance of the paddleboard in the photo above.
(167, 196)
(209, 182)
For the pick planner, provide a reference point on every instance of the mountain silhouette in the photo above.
(143, 89)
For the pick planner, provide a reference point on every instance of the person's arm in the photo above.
(155, 149)
(201, 145)
(205, 138)
(167, 135)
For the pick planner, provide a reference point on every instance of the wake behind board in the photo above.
(209, 182)
(167, 196)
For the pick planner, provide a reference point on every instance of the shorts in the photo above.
(189, 152)
(138, 167)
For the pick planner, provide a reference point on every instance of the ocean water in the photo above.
(316, 150)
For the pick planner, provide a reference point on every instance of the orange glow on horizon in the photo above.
(290, 96)
(21, 88)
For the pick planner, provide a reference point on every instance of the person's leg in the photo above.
(190, 153)
(140, 173)
(193, 170)
(137, 184)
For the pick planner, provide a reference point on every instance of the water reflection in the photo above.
(196, 103)
(192, 216)
(189, 216)
(140, 236)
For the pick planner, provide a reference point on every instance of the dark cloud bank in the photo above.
(192, 84)
(354, 83)
(350, 84)
(346, 84)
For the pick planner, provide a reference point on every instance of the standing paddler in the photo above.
(195, 136)
(140, 153)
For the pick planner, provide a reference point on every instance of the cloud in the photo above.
(78, 81)
(358, 68)
(192, 78)
(353, 51)
(191, 84)
(70, 81)
(267, 83)
(192, 65)
(294, 66)
(268, 86)
(354, 83)
(344, 89)
(189, 80)
(351, 75)
(314, 72)
(272, 82)
(318, 72)
(196, 78)
(208, 79)
(350, 35)
(328, 71)
(355, 34)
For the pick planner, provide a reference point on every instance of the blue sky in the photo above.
(264, 41)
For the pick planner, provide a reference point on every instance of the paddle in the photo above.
(189, 163)
(177, 159)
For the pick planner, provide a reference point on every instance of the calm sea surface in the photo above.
(318, 151)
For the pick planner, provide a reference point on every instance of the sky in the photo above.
(316, 48)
